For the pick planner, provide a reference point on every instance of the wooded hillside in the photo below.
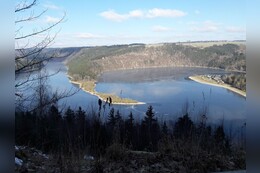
(88, 63)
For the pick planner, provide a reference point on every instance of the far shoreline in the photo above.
(200, 79)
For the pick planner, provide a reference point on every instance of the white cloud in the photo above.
(136, 13)
(206, 26)
(235, 29)
(156, 12)
(159, 28)
(111, 15)
(50, 19)
(152, 13)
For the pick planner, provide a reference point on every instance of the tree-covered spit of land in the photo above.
(235, 80)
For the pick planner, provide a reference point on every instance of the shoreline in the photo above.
(97, 94)
(184, 66)
(200, 79)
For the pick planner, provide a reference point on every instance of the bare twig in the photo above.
(25, 6)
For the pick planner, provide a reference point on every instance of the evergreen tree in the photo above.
(53, 126)
(221, 140)
(151, 127)
(80, 121)
(54, 113)
(183, 127)
(69, 115)
(165, 129)
(80, 114)
(219, 135)
(70, 128)
(149, 118)
(129, 129)
(111, 118)
(118, 117)
(130, 121)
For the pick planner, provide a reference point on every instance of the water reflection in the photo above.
(166, 89)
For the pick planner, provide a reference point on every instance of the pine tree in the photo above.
(165, 129)
(69, 115)
(129, 124)
(151, 127)
(54, 113)
(80, 121)
(183, 127)
(80, 114)
(149, 118)
(54, 127)
(111, 118)
(70, 127)
(221, 141)
(118, 117)
(219, 135)
(130, 121)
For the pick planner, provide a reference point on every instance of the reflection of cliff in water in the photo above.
(155, 74)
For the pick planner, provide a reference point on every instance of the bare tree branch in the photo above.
(41, 31)
(25, 6)
(31, 17)
(31, 58)
(36, 78)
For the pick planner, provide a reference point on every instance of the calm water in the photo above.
(171, 93)
(167, 89)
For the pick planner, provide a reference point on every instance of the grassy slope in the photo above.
(212, 43)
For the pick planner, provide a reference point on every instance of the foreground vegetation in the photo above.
(79, 141)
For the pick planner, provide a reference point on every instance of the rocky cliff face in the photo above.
(147, 58)
(93, 61)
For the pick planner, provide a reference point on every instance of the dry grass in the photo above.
(89, 86)
(208, 44)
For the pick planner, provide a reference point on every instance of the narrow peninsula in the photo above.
(89, 87)
(206, 80)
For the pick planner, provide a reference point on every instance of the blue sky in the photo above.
(108, 22)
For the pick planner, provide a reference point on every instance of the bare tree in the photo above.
(30, 54)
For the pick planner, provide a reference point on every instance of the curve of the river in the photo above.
(168, 90)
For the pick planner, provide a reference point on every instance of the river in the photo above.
(168, 90)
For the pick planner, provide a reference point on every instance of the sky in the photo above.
(111, 22)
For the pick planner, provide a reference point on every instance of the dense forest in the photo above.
(118, 142)
(235, 80)
(88, 63)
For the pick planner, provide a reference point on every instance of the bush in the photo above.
(115, 152)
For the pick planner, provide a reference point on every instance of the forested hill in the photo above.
(91, 61)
